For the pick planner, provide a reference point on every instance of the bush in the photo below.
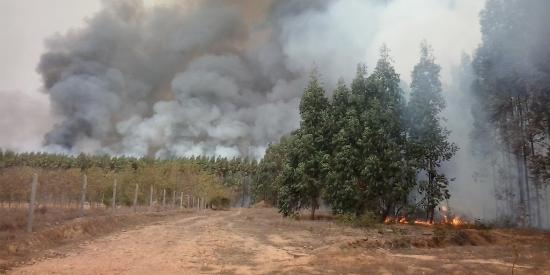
(220, 203)
(368, 219)
(439, 236)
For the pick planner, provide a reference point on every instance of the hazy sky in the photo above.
(24, 26)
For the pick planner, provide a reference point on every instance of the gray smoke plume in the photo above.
(167, 81)
(215, 77)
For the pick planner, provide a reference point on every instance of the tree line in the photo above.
(60, 177)
(367, 149)
(511, 73)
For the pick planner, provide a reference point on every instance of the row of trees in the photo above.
(367, 149)
(511, 72)
(61, 175)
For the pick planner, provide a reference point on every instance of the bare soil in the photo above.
(259, 241)
(62, 227)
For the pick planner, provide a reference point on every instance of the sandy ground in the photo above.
(258, 241)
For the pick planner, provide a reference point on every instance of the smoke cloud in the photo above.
(223, 78)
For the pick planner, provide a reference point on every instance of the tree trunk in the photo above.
(524, 155)
(83, 194)
(432, 212)
(386, 212)
(537, 201)
(151, 198)
(314, 206)
(527, 191)
(113, 202)
(431, 188)
(521, 191)
(136, 197)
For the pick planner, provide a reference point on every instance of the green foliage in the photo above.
(269, 171)
(305, 169)
(60, 176)
(360, 152)
(428, 144)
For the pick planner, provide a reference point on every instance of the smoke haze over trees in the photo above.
(205, 77)
(225, 78)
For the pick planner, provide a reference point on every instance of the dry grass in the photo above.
(58, 226)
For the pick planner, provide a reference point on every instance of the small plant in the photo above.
(439, 235)
(368, 219)
(479, 224)
(220, 203)
(42, 209)
(401, 242)
(460, 238)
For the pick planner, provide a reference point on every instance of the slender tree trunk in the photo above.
(151, 198)
(537, 187)
(495, 189)
(243, 193)
(527, 189)
(113, 202)
(163, 198)
(521, 191)
(524, 155)
(136, 197)
(431, 188)
(173, 199)
(313, 208)
(83, 194)
(538, 212)
(32, 202)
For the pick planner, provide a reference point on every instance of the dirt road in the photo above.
(258, 241)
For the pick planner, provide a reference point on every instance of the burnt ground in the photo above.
(259, 241)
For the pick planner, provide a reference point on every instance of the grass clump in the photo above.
(368, 219)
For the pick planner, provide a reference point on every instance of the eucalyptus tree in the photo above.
(428, 140)
(305, 171)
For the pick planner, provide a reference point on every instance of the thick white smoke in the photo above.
(197, 78)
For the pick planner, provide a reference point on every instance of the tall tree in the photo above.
(386, 171)
(428, 139)
(306, 171)
(512, 71)
(343, 191)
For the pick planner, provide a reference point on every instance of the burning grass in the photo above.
(456, 222)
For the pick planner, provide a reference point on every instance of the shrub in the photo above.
(368, 219)
(220, 202)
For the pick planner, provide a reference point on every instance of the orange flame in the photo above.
(456, 221)
(419, 222)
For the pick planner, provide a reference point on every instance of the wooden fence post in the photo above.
(188, 201)
(32, 202)
(181, 200)
(83, 194)
(173, 199)
(163, 198)
(136, 197)
(114, 196)
(151, 197)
